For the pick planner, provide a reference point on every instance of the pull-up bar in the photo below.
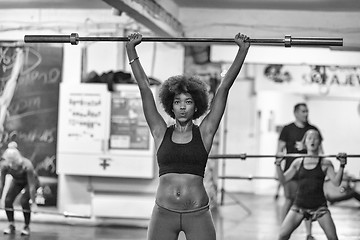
(288, 41)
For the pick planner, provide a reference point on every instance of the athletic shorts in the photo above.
(311, 214)
(197, 224)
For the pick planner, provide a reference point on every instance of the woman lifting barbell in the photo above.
(310, 202)
(24, 181)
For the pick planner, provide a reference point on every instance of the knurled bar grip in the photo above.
(288, 41)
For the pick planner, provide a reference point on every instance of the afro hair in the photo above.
(184, 84)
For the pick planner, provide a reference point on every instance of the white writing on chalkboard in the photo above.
(6, 60)
(21, 105)
(45, 136)
(36, 77)
(48, 164)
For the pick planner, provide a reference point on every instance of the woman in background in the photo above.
(310, 202)
(24, 181)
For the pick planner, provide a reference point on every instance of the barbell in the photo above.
(243, 156)
(64, 214)
(288, 41)
(250, 177)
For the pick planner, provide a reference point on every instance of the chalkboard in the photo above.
(33, 111)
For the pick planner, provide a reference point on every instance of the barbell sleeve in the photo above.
(288, 41)
(73, 39)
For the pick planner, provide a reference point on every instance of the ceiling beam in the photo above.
(151, 15)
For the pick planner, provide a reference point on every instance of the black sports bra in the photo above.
(188, 158)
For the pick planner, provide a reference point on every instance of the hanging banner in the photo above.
(335, 81)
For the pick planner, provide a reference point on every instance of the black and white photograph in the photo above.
(180, 120)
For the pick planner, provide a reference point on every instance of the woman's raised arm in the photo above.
(211, 122)
(154, 119)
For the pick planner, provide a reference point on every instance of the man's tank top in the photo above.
(188, 158)
(310, 193)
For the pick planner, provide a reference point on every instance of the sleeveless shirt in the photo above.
(188, 157)
(310, 193)
(19, 175)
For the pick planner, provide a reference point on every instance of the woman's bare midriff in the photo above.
(181, 192)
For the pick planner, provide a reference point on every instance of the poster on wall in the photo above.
(32, 114)
(336, 81)
(83, 112)
(129, 129)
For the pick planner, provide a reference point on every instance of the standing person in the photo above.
(290, 142)
(182, 203)
(310, 202)
(23, 181)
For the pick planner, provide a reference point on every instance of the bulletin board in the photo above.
(129, 130)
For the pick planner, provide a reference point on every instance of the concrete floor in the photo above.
(243, 216)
